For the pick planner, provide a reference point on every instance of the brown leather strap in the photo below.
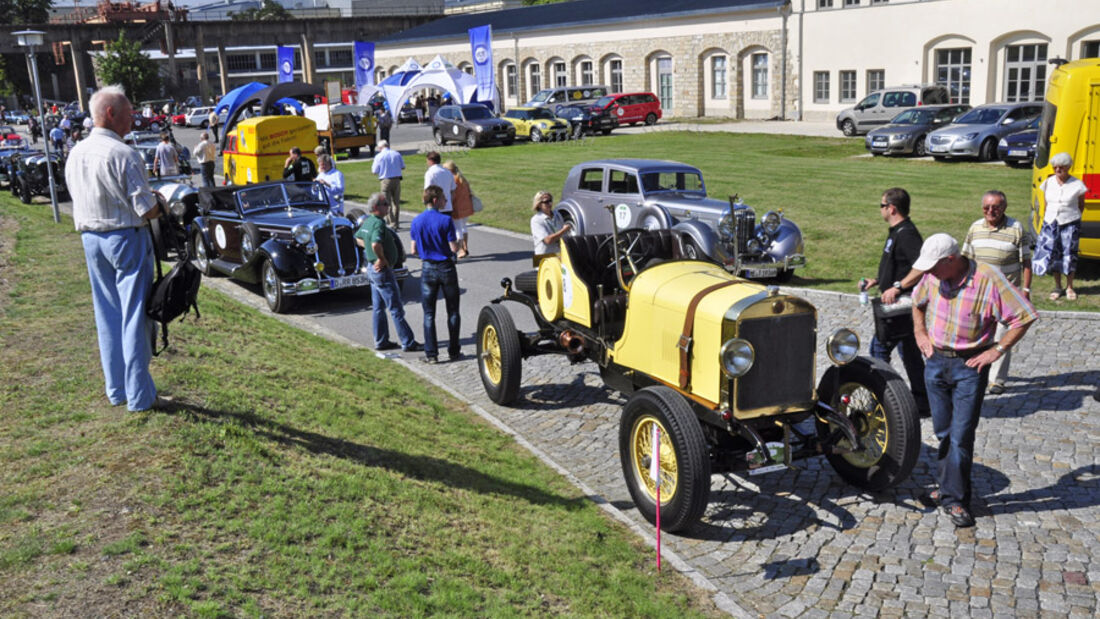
(689, 328)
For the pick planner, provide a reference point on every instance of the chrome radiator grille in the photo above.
(337, 250)
(783, 372)
(746, 227)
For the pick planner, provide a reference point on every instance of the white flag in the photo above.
(655, 461)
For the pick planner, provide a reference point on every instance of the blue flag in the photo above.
(284, 63)
(364, 64)
(481, 48)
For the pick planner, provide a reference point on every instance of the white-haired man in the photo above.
(389, 166)
(112, 205)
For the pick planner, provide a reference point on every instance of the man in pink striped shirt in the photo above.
(956, 308)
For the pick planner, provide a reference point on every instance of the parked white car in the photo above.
(199, 117)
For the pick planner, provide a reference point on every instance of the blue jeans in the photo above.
(436, 279)
(120, 267)
(912, 360)
(955, 392)
(385, 293)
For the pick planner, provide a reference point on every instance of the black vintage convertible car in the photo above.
(29, 176)
(281, 235)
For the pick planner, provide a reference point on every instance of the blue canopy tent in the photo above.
(232, 99)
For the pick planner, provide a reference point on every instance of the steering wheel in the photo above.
(636, 248)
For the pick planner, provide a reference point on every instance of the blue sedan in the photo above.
(1018, 149)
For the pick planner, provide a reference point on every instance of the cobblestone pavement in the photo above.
(804, 544)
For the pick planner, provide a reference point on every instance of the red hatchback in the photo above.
(632, 107)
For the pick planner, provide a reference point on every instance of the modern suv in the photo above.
(877, 108)
(472, 124)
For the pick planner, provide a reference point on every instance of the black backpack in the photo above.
(172, 295)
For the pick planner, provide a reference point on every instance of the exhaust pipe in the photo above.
(571, 342)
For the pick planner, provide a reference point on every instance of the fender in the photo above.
(660, 213)
(289, 265)
(787, 242)
(705, 238)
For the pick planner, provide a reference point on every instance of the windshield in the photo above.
(913, 117)
(541, 96)
(1046, 127)
(476, 112)
(604, 102)
(982, 116)
(543, 113)
(283, 195)
(653, 182)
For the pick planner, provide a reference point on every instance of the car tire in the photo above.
(684, 464)
(438, 135)
(650, 119)
(574, 229)
(527, 282)
(498, 354)
(24, 192)
(200, 254)
(508, 141)
(848, 128)
(920, 149)
(691, 251)
(578, 133)
(354, 214)
(205, 124)
(784, 275)
(606, 132)
(884, 413)
(251, 232)
(536, 135)
(272, 284)
(471, 139)
(988, 150)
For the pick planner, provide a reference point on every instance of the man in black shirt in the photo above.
(901, 250)
(299, 168)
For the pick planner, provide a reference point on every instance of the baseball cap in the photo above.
(936, 248)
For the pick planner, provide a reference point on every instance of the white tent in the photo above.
(411, 77)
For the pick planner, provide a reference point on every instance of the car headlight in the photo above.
(726, 225)
(771, 222)
(479, 128)
(178, 209)
(302, 234)
(736, 356)
(970, 136)
(899, 137)
(843, 346)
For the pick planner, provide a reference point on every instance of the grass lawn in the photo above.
(294, 477)
(823, 184)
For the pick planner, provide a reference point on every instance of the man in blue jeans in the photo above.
(434, 240)
(962, 301)
(380, 249)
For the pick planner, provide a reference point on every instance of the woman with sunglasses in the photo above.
(544, 230)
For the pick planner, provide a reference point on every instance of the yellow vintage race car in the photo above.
(723, 366)
(538, 124)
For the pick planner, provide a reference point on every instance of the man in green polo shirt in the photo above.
(379, 245)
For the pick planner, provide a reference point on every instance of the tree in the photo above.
(124, 63)
(270, 11)
(22, 12)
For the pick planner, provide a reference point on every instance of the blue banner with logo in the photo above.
(481, 48)
(364, 64)
(284, 63)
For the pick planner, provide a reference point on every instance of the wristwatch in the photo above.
(1000, 349)
(897, 285)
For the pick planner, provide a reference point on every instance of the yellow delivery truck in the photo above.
(256, 148)
(1071, 124)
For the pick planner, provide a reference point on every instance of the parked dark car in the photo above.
(407, 114)
(472, 124)
(654, 195)
(282, 236)
(1018, 149)
(146, 142)
(905, 133)
(590, 119)
(6, 153)
(31, 177)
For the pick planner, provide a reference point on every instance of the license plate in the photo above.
(879, 141)
(938, 149)
(1017, 153)
(767, 469)
(359, 279)
(754, 273)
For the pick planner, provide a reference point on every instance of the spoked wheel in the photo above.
(684, 466)
(277, 300)
(498, 354)
(199, 253)
(536, 135)
(920, 149)
(882, 409)
(988, 150)
(471, 139)
(848, 128)
(438, 135)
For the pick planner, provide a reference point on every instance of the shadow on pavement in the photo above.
(1030, 395)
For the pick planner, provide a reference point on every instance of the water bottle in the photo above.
(863, 298)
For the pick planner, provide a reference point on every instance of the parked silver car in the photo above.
(906, 132)
(877, 108)
(652, 194)
(976, 133)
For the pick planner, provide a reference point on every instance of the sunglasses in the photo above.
(546, 201)
(883, 205)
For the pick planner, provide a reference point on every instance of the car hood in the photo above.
(691, 204)
(898, 129)
(1023, 137)
(284, 218)
(964, 129)
(490, 123)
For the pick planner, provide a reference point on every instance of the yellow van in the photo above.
(1071, 124)
(256, 148)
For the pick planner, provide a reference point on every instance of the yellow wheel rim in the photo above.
(641, 452)
(490, 354)
(869, 418)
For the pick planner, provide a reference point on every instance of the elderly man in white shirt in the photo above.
(206, 155)
(112, 204)
(333, 180)
(440, 177)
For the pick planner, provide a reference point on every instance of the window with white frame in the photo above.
(664, 82)
(821, 86)
(718, 72)
(587, 74)
(510, 81)
(534, 78)
(847, 86)
(1025, 72)
(876, 79)
(1090, 49)
(616, 71)
(561, 74)
(851, 2)
(824, 4)
(760, 76)
(953, 71)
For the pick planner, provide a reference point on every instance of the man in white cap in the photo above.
(956, 308)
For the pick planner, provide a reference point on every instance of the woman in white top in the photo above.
(1056, 249)
(544, 230)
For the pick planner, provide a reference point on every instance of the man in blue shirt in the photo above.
(434, 240)
(389, 167)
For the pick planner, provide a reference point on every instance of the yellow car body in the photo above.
(1071, 124)
(537, 124)
(256, 148)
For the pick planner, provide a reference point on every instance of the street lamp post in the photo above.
(29, 40)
